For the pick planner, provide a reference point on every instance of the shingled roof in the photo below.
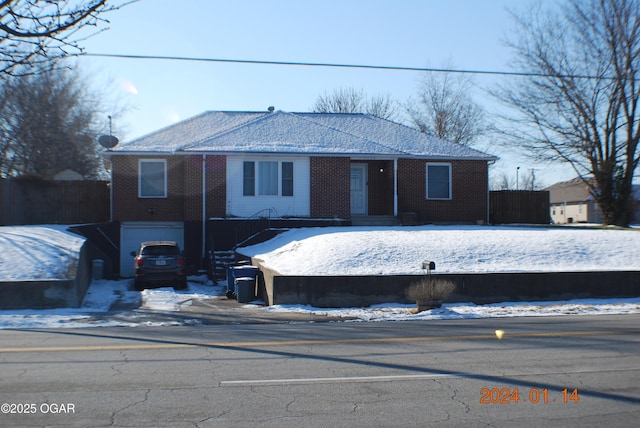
(296, 133)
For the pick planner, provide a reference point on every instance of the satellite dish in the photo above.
(108, 141)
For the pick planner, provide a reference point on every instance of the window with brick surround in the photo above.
(438, 181)
(152, 178)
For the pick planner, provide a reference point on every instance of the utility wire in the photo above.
(363, 66)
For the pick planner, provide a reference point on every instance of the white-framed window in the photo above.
(267, 178)
(438, 180)
(152, 178)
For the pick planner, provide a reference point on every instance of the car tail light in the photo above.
(139, 262)
(180, 261)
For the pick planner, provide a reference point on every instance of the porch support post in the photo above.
(204, 207)
(395, 187)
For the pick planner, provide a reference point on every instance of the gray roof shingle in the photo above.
(296, 133)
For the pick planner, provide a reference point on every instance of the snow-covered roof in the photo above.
(296, 133)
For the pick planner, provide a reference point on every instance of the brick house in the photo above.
(171, 184)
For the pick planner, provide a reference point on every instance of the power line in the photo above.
(333, 65)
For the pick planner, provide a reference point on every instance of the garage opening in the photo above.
(133, 233)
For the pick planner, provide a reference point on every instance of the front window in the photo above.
(268, 178)
(438, 181)
(152, 175)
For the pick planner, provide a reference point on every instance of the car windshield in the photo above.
(160, 250)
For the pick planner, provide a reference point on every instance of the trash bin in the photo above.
(97, 268)
(245, 271)
(236, 272)
(245, 289)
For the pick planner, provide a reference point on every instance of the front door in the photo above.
(359, 189)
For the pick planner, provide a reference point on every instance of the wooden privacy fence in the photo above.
(37, 201)
(519, 206)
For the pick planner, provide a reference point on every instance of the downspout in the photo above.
(488, 199)
(204, 208)
(395, 187)
(111, 190)
(488, 220)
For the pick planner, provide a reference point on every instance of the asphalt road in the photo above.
(554, 371)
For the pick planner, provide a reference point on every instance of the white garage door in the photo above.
(133, 233)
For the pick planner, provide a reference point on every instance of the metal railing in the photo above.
(253, 225)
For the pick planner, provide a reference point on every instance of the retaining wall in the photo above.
(53, 293)
(479, 288)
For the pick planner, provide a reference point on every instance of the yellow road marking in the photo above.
(258, 344)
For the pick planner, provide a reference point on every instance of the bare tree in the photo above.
(445, 109)
(351, 100)
(36, 32)
(49, 122)
(502, 182)
(525, 180)
(580, 103)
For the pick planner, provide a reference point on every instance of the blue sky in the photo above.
(412, 33)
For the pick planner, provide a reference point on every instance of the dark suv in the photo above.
(160, 262)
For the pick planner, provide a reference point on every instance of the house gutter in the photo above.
(354, 156)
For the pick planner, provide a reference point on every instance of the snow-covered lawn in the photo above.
(455, 249)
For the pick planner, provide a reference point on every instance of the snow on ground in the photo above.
(105, 299)
(103, 296)
(455, 249)
(399, 312)
(44, 252)
(38, 252)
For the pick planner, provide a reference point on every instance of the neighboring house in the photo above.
(168, 184)
(572, 202)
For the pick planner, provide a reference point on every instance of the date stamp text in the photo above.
(533, 395)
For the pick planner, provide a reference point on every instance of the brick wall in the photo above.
(469, 192)
(184, 182)
(330, 187)
(216, 186)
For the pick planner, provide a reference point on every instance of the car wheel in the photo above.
(180, 286)
(138, 286)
